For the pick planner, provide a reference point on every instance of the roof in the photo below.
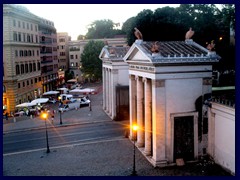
(170, 52)
(113, 53)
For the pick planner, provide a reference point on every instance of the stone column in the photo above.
(110, 93)
(140, 132)
(159, 122)
(104, 87)
(132, 102)
(148, 115)
(113, 90)
(107, 90)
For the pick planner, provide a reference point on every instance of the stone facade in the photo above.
(115, 73)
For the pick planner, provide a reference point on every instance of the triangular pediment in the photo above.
(137, 54)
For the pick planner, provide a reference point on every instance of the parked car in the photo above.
(84, 102)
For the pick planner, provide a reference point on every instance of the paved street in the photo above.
(112, 156)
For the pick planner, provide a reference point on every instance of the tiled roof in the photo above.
(175, 49)
(117, 52)
(175, 52)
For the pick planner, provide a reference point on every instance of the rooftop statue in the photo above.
(189, 34)
(138, 34)
(155, 47)
(211, 46)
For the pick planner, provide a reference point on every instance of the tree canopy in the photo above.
(102, 29)
(91, 64)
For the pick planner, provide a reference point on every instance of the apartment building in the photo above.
(21, 57)
(63, 55)
(30, 61)
(48, 54)
(76, 49)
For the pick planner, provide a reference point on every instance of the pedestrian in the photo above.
(6, 115)
(53, 116)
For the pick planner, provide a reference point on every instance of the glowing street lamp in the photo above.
(60, 112)
(44, 117)
(134, 128)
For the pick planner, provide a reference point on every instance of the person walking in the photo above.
(53, 112)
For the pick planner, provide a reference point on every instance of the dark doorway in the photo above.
(122, 103)
(184, 138)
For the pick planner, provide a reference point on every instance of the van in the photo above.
(69, 106)
(67, 97)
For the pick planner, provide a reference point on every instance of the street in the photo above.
(61, 136)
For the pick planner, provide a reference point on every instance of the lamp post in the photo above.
(134, 128)
(90, 106)
(60, 117)
(60, 112)
(44, 116)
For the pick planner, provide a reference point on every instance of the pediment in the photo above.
(137, 54)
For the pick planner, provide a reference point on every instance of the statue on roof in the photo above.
(155, 47)
(189, 34)
(211, 46)
(138, 34)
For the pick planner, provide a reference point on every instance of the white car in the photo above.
(84, 102)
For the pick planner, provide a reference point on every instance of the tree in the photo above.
(91, 64)
(80, 37)
(102, 29)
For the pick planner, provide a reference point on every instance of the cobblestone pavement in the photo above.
(110, 157)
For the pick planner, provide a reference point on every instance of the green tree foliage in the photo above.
(102, 29)
(91, 64)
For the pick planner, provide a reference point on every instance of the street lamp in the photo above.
(44, 116)
(134, 132)
(60, 117)
(60, 112)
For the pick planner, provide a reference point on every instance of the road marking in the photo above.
(69, 145)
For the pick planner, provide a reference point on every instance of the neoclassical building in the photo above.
(115, 82)
(166, 82)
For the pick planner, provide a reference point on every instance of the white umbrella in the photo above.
(72, 80)
(40, 100)
(62, 89)
(26, 104)
(51, 93)
(82, 90)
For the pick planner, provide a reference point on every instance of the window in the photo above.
(26, 68)
(33, 53)
(29, 53)
(36, 29)
(21, 53)
(38, 65)
(31, 37)
(23, 24)
(62, 47)
(71, 57)
(19, 37)
(35, 80)
(30, 67)
(24, 37)
(19, 24)
(23, 84)
(72, 64)
(36, 38)
(28, 38)
(76, 56)
(27, 82)
(39, 79)
(37, 52)
(31, 81)
(15, 36)
(17, 70)
(22, 69)
(31, 27)
(25, 53)
(76, 64)
(19, 85)
(34, 66)
(14, 23)
(16, 53)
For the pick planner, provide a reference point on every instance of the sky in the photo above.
(74, 18)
